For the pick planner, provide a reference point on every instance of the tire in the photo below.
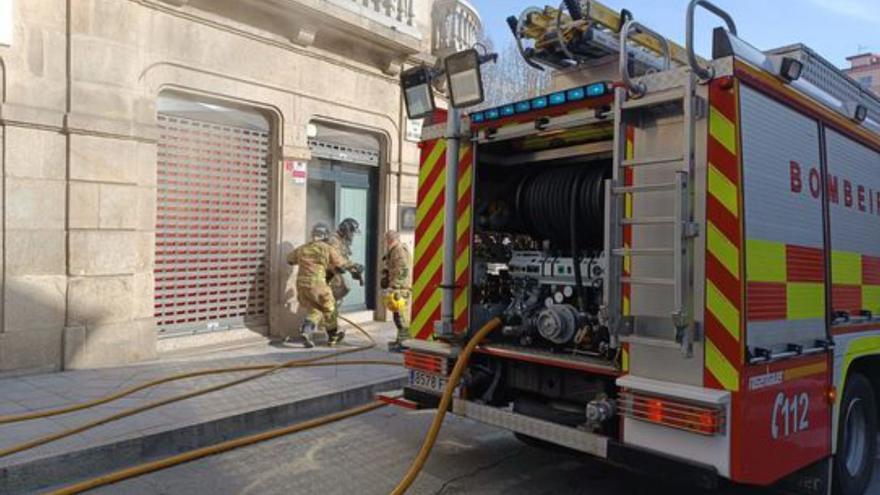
(856, 437)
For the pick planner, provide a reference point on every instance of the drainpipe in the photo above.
(444, 329)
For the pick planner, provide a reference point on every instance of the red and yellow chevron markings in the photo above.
(724, 253)
(464, 213)
(428, 257)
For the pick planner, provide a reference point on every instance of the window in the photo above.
(866, 81)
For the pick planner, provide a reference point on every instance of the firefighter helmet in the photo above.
(348, 228)
(320, 232)
(394, 302)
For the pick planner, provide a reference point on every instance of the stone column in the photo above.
(112, 189)
(292, 232)
(34, 284)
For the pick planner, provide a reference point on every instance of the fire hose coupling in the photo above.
(600, 410)
(559, 323)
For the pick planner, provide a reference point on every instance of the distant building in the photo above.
(865, 69)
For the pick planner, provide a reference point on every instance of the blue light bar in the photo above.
(559, 98)
(576, 94)
(596, 89)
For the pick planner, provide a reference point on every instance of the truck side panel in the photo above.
(853, 191)
(785, 252)
(858, 338)
(853, 185)
(781, 414)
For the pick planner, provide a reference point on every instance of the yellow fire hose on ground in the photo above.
(401, 488)
(445, 401)
(183, 376)
(192, 455)
(267, 369)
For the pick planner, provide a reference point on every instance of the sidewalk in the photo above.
(285, 397)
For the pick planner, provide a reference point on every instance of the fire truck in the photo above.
(683, 255)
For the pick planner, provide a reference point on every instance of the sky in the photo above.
(835, 29)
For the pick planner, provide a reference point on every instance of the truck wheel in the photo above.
(856, 438)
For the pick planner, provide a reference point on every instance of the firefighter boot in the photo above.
(334, 336)
(308, 330)
(402, 334)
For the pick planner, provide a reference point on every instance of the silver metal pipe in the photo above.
(445, 328)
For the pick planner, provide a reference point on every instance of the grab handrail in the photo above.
(702, 72)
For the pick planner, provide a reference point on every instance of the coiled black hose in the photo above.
(546, 200)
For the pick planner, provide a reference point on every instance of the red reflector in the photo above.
(429, 363)
(655, 411)
(695, 418)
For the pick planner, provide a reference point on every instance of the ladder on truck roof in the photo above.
(581, 31)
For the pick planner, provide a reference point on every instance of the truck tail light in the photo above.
(429, 363)
(705, 420)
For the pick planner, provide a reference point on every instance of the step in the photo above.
(653, 99)
(645, 188)
(648, 281)
(649, 221)
(651, 342)
(646, 162)
(643, 252)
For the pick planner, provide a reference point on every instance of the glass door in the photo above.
(353, 202)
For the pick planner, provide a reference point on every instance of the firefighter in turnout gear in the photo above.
(396, 275)
(316, 260)
(341, 240)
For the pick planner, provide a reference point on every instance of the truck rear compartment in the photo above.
(539, 213)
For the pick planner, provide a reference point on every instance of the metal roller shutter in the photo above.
(212, 226)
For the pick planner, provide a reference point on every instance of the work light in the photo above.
(791, 69)
(859, 113)
(465, 81)
(417, 92)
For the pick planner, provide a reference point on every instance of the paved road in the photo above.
(368, 454)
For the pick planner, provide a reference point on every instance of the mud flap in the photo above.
(812, 480)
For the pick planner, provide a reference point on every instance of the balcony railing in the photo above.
(396, 14)
(387, 23)
(395, 10)
(456, 26)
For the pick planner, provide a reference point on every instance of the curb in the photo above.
(40, 474)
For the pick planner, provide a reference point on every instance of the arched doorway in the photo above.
(212, 223)
(344, 183)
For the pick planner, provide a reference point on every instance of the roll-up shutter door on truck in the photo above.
(854, 204)
(784, 232)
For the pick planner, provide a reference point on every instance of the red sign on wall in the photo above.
(296, 170)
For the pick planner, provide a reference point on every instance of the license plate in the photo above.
(427, 381)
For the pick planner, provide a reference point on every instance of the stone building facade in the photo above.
(99, 99)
